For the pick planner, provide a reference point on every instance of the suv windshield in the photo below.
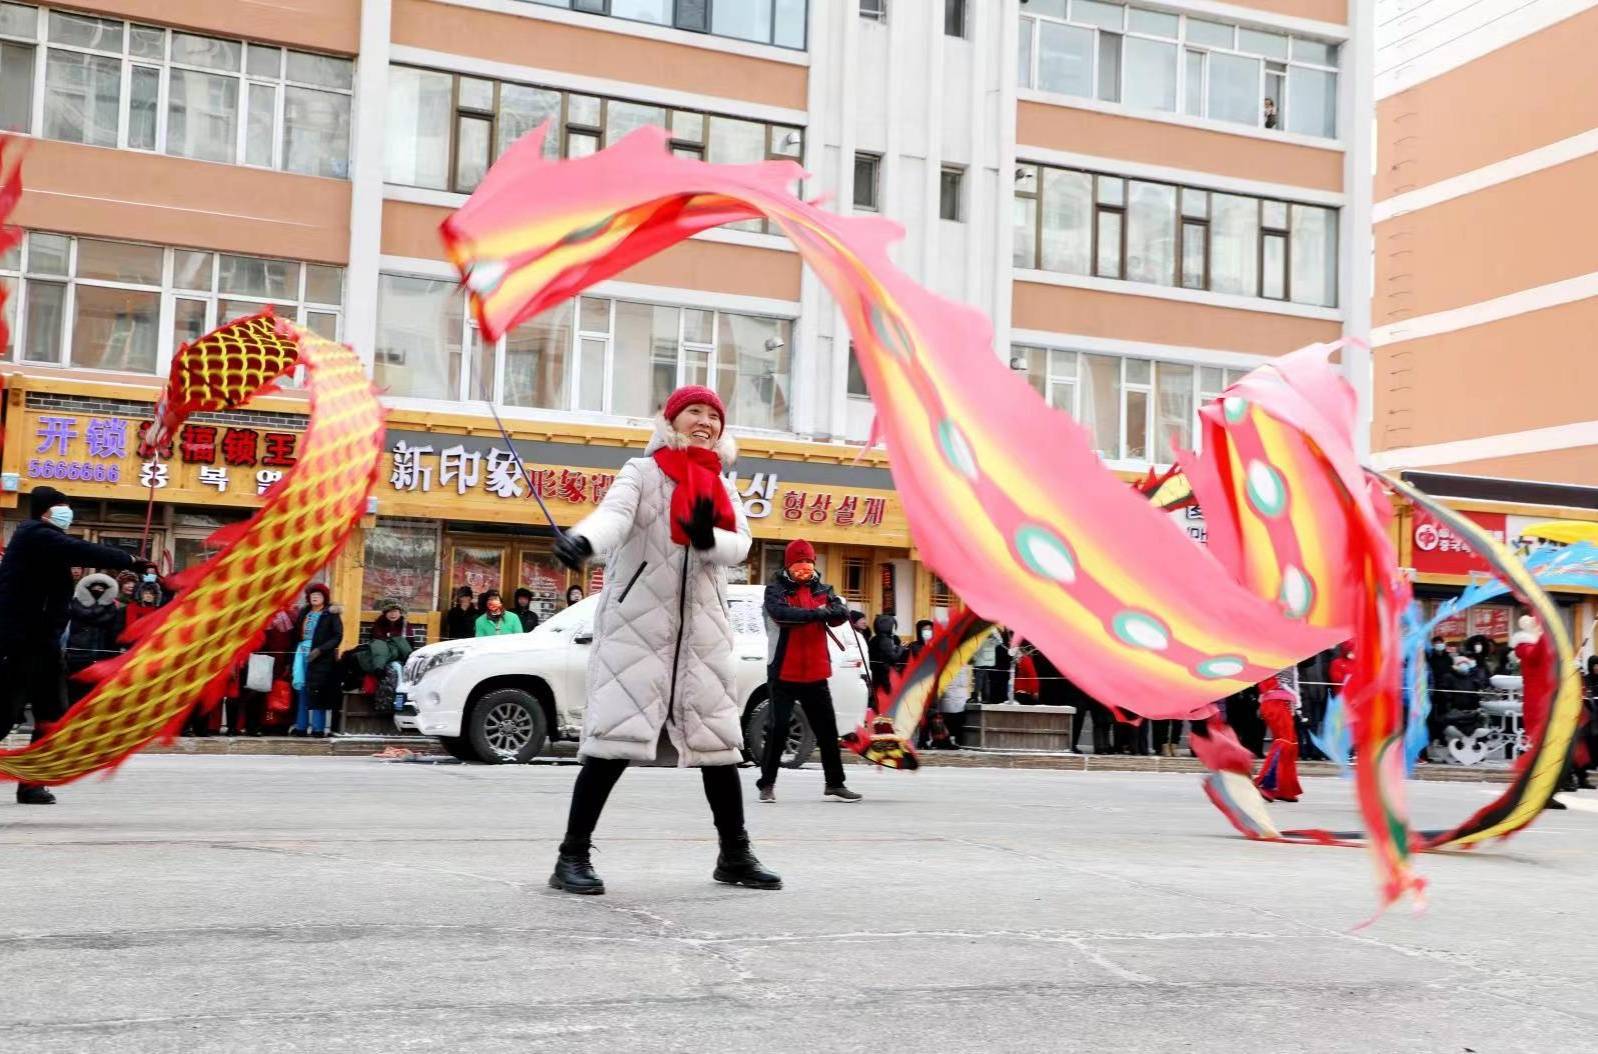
(579, 616)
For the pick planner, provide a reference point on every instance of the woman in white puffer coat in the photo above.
(661, 670)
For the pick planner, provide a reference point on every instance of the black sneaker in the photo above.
(34, 794)
(1555, 803)
(840, 793)
(768, 795)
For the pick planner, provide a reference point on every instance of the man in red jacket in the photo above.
(799, 608)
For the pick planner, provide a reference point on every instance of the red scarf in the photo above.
(697, 473)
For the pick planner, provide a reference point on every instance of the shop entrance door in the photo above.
(479, 564)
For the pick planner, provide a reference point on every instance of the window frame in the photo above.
(956, 19)
(168, 292)
(677, 21)
(874, 10)
(957, 173)
(461, 384)
(1054, 354)
(164, 67)
(875, 162)
(1101, 209)
(1185, 47)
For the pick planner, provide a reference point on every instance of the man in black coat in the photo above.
(35, 588)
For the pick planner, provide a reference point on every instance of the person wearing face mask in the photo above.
(495, 621)
(1439, 677)
(660, 669)
(923, 635)
(574, 595)
(35, 589)
(799, 608)
(96, 621)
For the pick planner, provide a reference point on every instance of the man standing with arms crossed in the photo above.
(799, 608)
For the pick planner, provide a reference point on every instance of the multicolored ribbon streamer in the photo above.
(1086, 568)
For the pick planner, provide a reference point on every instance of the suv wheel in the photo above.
(506, 727)
(801, 741)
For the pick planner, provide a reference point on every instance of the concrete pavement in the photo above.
(334, 904)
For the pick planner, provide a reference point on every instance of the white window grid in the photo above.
(164, 67)
(1061, 374)
(17, 278)
(467, 389)
(1186, 50)
(874, 10)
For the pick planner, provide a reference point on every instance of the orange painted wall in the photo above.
(1578, 466)
(1528, 371)
(1527, 232)
(174, 201)
(320, 25)
(528, 41)
(1527, 94)
(412, 230)
(1060, 309)
(1155, 142)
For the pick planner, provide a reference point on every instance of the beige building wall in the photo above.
(1486, 246)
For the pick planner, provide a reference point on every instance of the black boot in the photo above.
(736, 866)
(34, 794)
(574, 872)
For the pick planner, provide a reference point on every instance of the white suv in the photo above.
(500, 699)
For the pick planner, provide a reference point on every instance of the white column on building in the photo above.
(366, 179)
(1005, 20)
(1358, 109)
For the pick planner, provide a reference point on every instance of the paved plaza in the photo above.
(339, 904)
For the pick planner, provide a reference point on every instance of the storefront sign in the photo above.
(1438, 550)
(99, 455)
(475, 475)
(1489, 620)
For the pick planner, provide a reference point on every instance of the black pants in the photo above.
(247, 713)
(38, 681)
(1167, 732)
(816, 699)
(1101, 725)
(599, 775)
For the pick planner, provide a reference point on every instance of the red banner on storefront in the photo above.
(1438, 550)
(1490, 620)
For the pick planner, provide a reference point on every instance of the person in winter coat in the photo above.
(857, 622)
(952, 705)
(660, 671)
(495, 621)
(317, 634)
(887, 653)
(127, 586)
(922, 636)
(460, 621)
(574, 595)
(94, 624)
(35, 590)
(1278, 777)
(799, 609)
(1539, 683)
(1587, 738)
(524, 609)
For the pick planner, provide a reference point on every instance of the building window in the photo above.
(856, 573)
(445, 129)
(874, 10)
(867, 178)
(1153, 60)
(950, 184)
(593, 355)
(856, 383)
(105, 82)
(954, 18)
(97, 304)
(1134, 409)
(779, 22)
(1142, 231)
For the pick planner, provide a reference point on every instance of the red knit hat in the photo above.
(688, 395)
(798, 550)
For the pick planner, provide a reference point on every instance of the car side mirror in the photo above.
(584, 637)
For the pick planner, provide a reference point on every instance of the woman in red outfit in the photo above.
(1538, 683)
(1278, 778)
